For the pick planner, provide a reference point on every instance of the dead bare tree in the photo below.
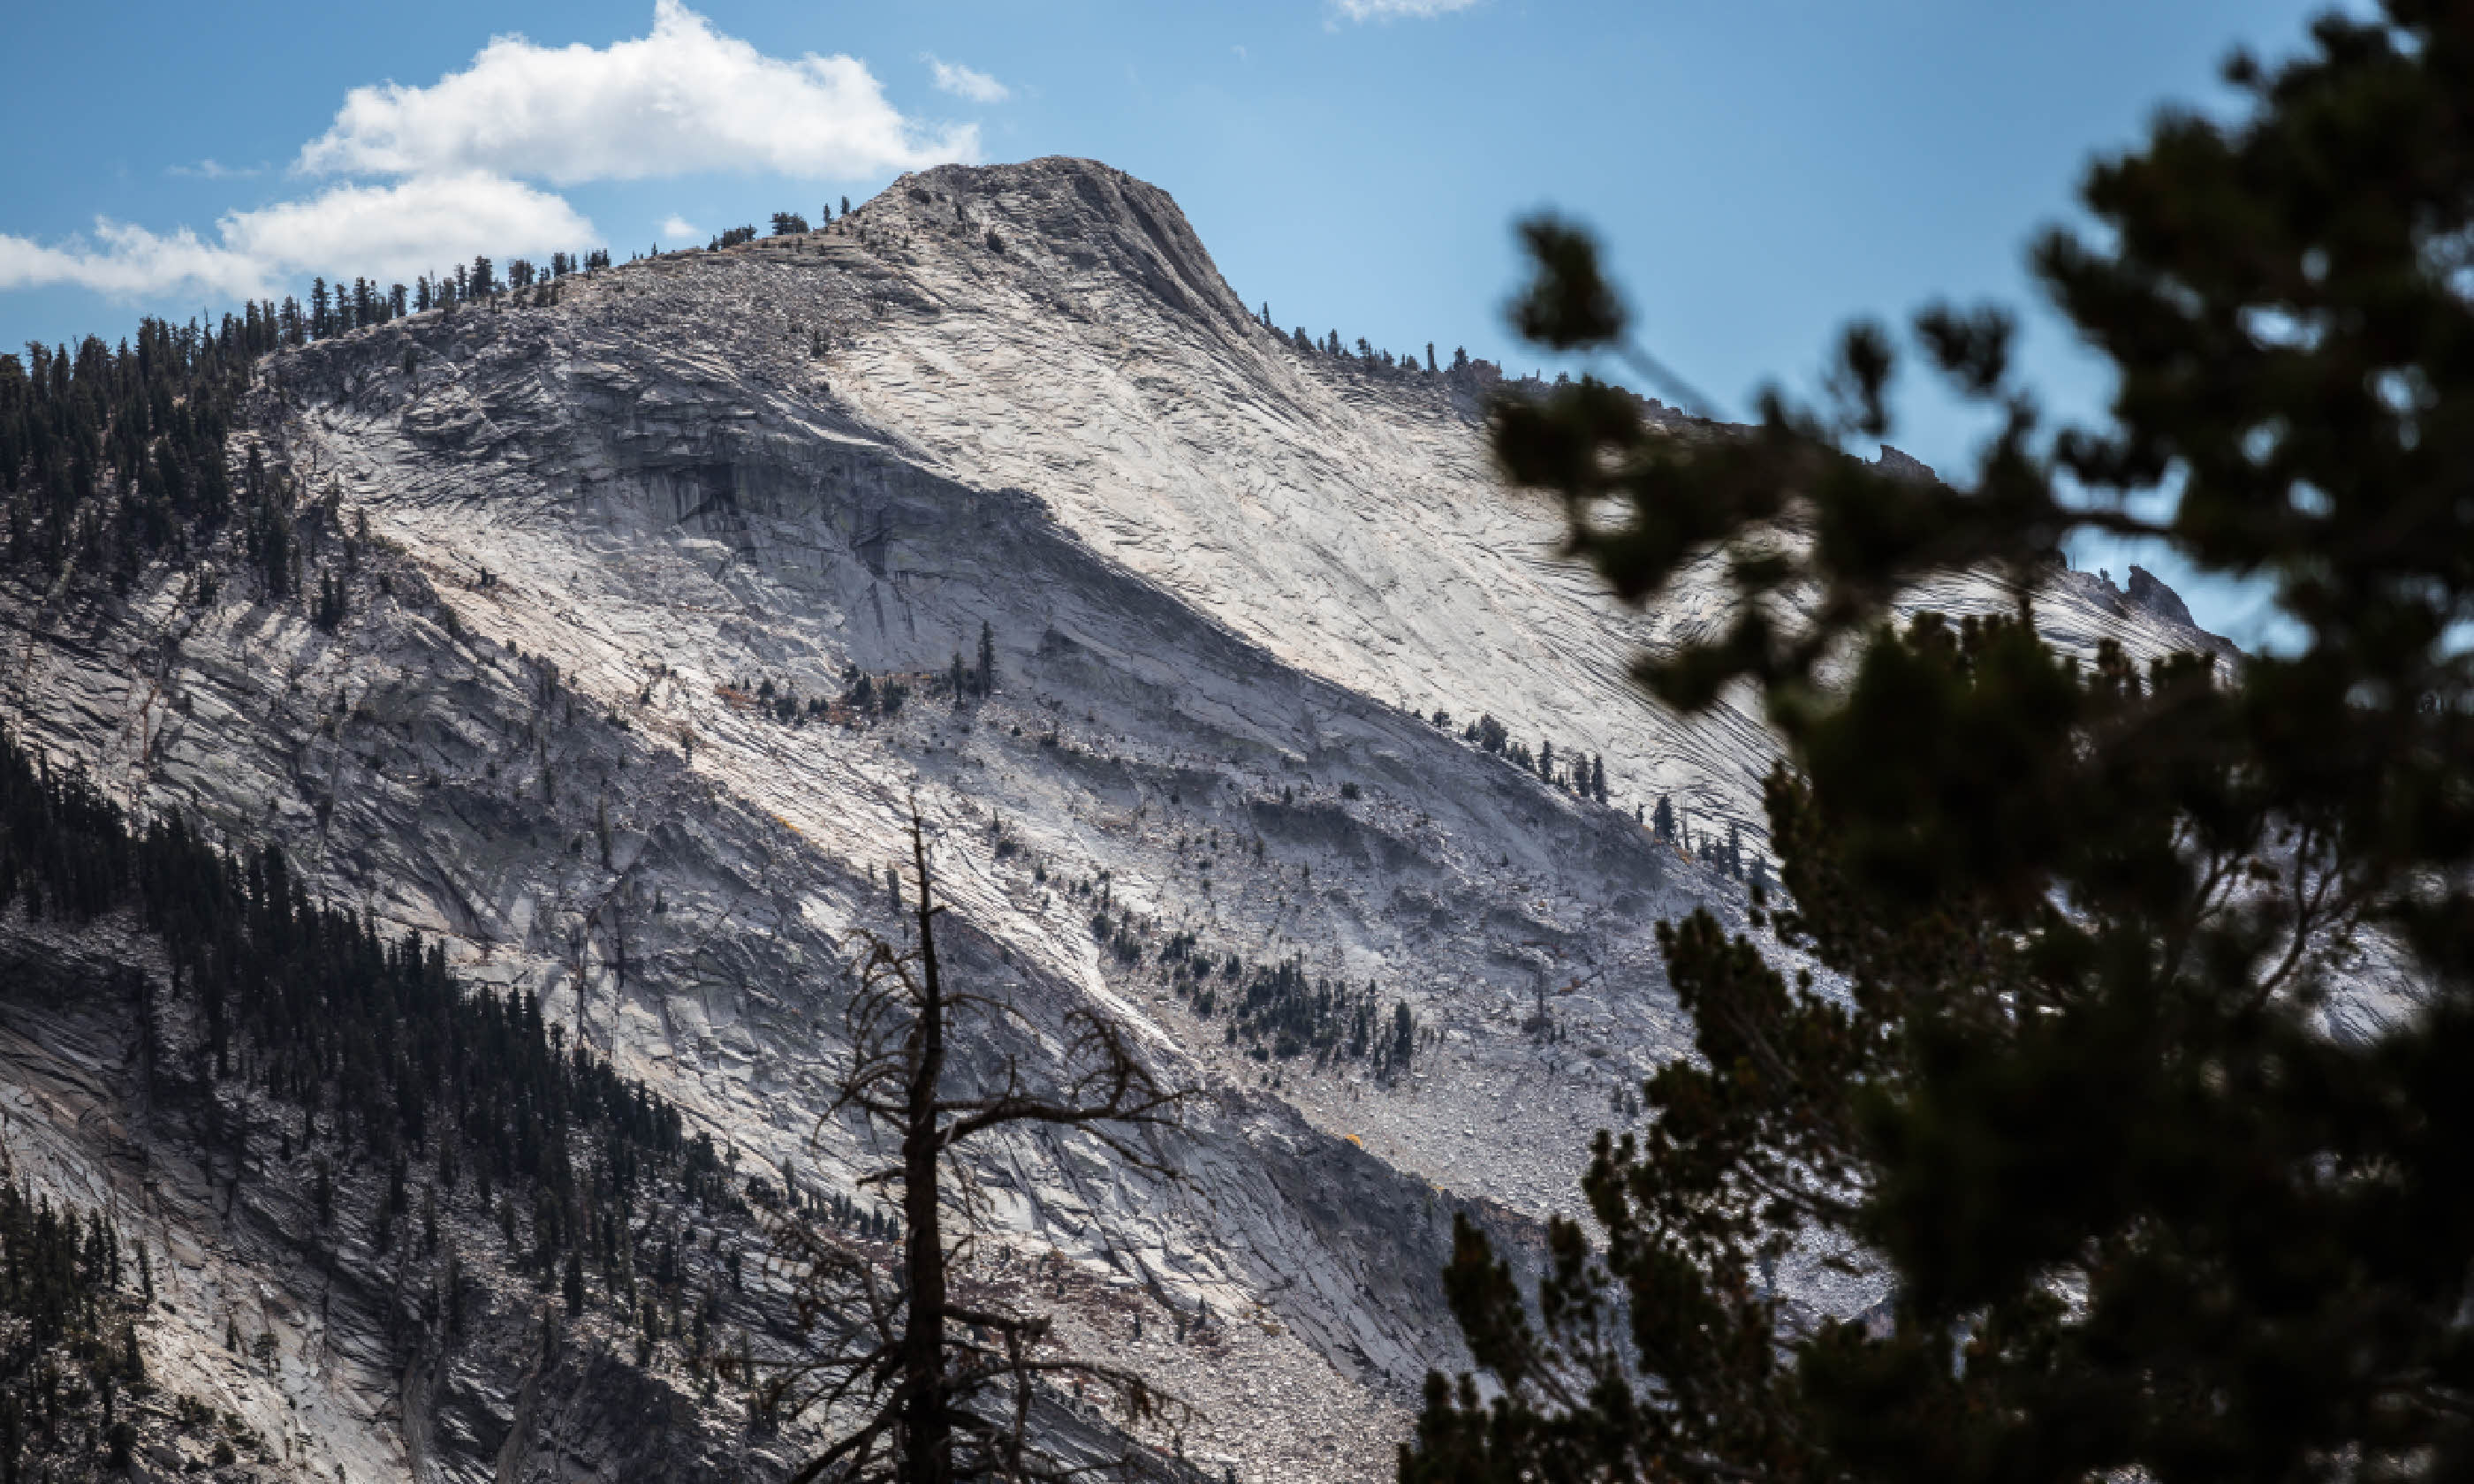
(922, 1380)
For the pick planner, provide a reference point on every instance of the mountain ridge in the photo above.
(612, 560)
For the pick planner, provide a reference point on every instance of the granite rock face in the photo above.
(2148, 592)
(614, 559)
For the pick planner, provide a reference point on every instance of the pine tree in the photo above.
(987, 659)
(2137, 1212)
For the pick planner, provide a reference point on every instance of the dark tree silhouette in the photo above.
(2138, 1213)
(920, 1378)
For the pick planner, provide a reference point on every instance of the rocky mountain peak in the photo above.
(2149, 591)
(605, 634)
(1899, 463)
(1063, 219)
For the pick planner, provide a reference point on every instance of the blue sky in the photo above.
(1761, 169)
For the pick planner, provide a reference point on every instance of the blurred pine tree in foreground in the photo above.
(2138, 1210)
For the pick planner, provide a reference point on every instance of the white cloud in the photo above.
(209, 170)
(451, 159)
(685, 98)
(406, 228)
(1399, 10)
(952, 77)
(128, 261)
(394, 231)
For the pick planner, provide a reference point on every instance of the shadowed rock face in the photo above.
(2146, 591)
(615, 537)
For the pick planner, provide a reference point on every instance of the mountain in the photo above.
(596, 595)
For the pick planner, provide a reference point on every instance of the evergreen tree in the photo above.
(329, 615)
(2137, 1211)
(109, 455)
(332, 1016)
(987, 659)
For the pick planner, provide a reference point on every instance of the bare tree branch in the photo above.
(941, 1380)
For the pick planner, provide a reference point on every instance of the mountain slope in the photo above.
(614, 562)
